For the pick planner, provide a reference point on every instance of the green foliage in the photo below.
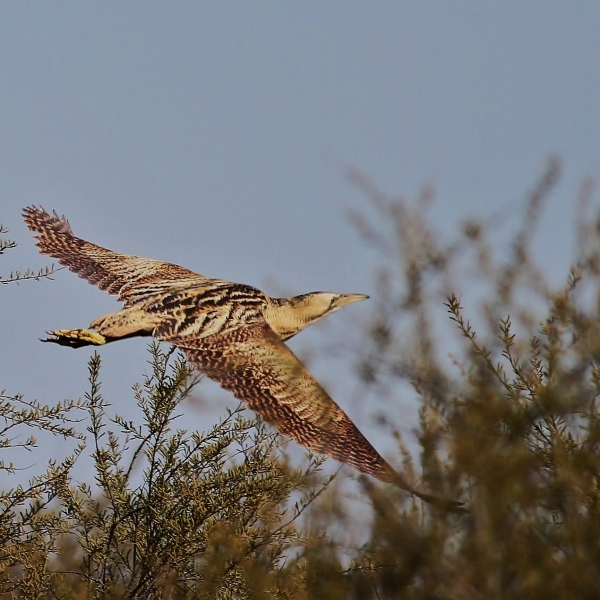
(28, 529)
(509, 416)
(209, 513)
(208, 506)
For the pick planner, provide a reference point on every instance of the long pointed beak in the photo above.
(345, 299)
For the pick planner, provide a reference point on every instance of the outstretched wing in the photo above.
(122, 274)
(259, 369)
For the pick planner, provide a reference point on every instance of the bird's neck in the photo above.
(286, 317)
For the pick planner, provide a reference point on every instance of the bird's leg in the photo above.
(120, 325)
(75, 338)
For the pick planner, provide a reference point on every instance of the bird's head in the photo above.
(291, 315)
(316, 305)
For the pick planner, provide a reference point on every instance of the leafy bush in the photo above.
(509, 415)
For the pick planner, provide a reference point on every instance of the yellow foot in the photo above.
(75, 338)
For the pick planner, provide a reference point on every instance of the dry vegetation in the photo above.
(508, 387)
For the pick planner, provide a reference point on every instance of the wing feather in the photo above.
(259, 369)
(128, 276)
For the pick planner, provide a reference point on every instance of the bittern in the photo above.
(230, 332)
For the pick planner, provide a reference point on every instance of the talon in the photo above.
(75, 338)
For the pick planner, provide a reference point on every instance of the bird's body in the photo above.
(232, 333)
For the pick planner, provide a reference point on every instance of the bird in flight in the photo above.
(230, 332)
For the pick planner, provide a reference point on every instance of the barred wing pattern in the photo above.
(131, 277)
(259, 369)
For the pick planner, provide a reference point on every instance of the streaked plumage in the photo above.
(231, 332)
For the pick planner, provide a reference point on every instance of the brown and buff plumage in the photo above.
(229, 332)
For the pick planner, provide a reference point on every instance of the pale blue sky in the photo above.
(217, 135)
